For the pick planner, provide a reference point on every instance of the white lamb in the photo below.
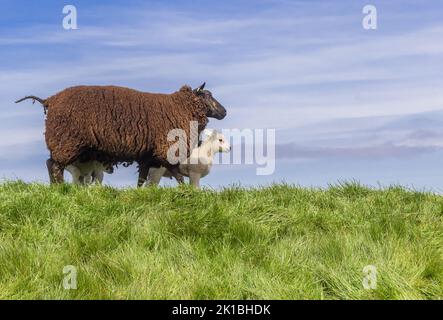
(88, 172)
(199, 164)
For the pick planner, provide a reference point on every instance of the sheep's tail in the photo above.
(34, 98)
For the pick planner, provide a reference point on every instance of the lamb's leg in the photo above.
(175, 172)
(76, 176)
(155, 175)
(179, 177)
(143, 170)
(87, 179)
(97, 177)
(55, 171)
(194, 179)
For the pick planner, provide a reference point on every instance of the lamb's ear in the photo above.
(206, 134)
(213, 135)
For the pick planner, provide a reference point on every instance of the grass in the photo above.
(278, 242)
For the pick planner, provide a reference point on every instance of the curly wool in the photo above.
(116, 124)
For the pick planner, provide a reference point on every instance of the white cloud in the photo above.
(287, 72)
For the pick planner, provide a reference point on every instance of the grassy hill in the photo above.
(280, 242)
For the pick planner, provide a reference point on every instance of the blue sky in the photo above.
(347, 103)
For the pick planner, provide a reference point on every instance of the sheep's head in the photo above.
(213, 108)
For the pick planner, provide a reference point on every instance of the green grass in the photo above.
(279, 242)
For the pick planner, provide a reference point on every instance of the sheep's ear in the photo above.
(199, 89)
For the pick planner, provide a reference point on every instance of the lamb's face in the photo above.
(109, 169)
(219, 143)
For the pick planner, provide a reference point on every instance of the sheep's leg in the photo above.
(55, 171)
(194, 179)
(143, 171)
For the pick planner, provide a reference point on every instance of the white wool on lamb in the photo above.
(199, 164)
(88, 172)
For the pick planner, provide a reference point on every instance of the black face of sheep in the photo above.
(214, 108)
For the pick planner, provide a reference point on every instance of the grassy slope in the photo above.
(280, 242)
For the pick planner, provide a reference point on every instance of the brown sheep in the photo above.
(113, 124)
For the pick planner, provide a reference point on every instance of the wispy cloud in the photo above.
(383, 151)
(309, 70)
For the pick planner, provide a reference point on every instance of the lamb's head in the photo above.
(213, 108)
(108, 168)
(217, 142)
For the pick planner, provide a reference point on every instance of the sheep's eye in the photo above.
(220, 140)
